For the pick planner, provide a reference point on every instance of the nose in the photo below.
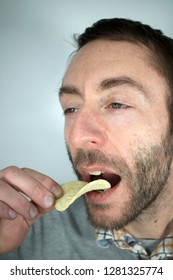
(87, 131)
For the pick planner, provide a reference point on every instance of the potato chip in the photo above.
(75, 189)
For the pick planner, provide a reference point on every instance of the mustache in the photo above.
(87, 158)
(90, 158)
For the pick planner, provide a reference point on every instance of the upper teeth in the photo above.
(96, 173)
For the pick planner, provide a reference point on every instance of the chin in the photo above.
(104, 217)
(110, 216)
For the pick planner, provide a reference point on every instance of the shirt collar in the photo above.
(123, 240)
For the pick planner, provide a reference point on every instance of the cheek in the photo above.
(66, 132)
(127, 129)
(69, 138)
(127, 141)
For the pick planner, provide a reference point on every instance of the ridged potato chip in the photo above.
(75, 189)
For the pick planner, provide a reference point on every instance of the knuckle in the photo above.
(36, 189)
(2, 185)
(9, 171)
(48, 182)
(45, 180)
(24, 203)
(25, 169)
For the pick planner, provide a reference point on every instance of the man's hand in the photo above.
(25, 195)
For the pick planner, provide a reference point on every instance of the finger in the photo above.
(48, 182)
(16, 201)
(28, 185)
(6, 212)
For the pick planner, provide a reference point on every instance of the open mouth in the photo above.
(112, 178)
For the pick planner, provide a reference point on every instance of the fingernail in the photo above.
(12, 214)
(33, 212)
(56, 191)
(48, 201)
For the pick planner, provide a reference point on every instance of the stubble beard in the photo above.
(146, 182)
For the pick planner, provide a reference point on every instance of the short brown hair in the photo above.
(119, 29)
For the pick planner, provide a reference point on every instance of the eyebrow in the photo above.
(105, 85)
(68, 90)
(120, 81)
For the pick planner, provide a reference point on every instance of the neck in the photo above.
(155, 222)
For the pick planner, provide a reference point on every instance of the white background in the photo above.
(86, 270)
(35, 43)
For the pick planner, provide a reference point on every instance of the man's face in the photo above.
(116, 128)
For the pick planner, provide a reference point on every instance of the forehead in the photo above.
(102, 59)
(106, 53)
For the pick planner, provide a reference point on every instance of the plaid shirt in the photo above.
(123, 240)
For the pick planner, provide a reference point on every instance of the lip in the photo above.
(84, 171)
(103, 197)
(98, 197)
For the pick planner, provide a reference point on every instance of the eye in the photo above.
(116, 105)
(70, 111)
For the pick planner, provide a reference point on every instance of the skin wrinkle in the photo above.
(104, 85)
(135, 142)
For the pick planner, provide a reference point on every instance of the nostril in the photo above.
(84, 140)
